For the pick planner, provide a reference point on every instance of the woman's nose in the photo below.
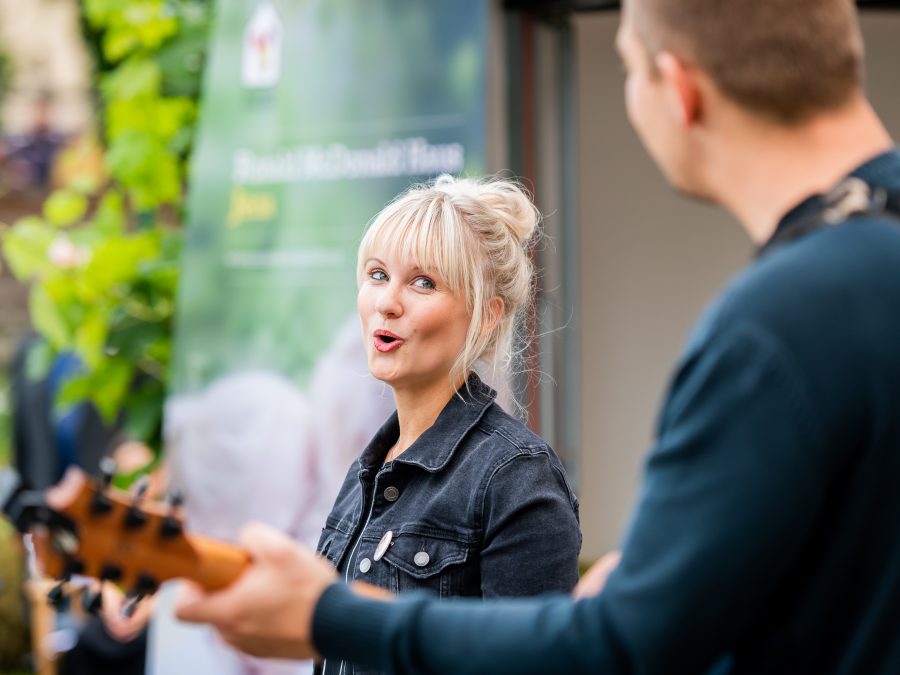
(389, 301)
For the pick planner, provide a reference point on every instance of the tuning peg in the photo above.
(140, 487)
(135, 518)
(171, 525)
(145, 585)
(130, 605)
(175, 498)
(91, 601)
(110, 573)
(108, 470)
(72, 567)
(101, 504)
(57, 597)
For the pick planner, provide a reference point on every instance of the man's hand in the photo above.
(268, 611)
(594, 579)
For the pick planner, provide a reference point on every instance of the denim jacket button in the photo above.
(365, 565)
(421, 558)
(391, 493)
(383, 546)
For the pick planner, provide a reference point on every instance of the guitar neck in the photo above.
(138, 546)
(218, 564)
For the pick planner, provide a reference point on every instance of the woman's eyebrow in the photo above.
(412, 270)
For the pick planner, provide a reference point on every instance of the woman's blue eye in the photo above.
(425, 282)
(378, 275)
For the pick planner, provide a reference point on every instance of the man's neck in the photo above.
(768, 170)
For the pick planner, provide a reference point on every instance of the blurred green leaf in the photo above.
(153, 21)
(65, 207)
(47, 319)
(182, 58)
(143, 412)
(99, 11)
(116, 260)
(111, 382)
(160, 119)
(136, 77)
(25, 247)
(74, 390)
(118, 43)
(90, 337)
(141, 162)
(39, 360)
(109, 219)
(62, 291)
(163, 277)
(132, 340)
(172, 115)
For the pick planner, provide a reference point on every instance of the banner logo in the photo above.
(263, 37)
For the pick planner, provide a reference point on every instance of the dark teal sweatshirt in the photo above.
(766, 538)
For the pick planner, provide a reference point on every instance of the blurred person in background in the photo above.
(253, 445)
(47, 441)
(28, 157)
(765, 536)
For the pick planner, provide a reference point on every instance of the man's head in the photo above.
(783, 62)
(784, 59)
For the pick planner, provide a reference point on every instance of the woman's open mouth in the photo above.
(386, 341)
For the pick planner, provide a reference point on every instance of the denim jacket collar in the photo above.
(435, 447)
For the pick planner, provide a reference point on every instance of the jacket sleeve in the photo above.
(729, 501)
(531, 537)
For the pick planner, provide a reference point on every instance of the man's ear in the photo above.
(683, 87)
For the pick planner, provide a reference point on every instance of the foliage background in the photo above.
(272, 291)
(102, 255)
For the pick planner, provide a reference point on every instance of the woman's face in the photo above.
(414, 327)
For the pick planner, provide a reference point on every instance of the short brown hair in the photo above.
(785, 59)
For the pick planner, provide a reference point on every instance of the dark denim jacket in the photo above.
(477, 506)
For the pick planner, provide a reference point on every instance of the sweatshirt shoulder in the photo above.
(825, 278)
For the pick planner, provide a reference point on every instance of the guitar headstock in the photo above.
(82, 526)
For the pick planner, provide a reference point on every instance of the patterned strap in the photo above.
(851, 197)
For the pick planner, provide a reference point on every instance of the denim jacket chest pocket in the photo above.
(334, 540)
(423, 559)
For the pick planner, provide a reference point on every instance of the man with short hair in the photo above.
(766, 536)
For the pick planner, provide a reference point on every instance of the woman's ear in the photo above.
(683, 87)
(494, 314)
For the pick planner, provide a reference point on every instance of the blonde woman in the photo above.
(453, 495)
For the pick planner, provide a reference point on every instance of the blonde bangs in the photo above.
(422, 229)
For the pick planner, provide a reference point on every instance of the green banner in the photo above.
(315, 114)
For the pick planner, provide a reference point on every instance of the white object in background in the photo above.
(176, 648)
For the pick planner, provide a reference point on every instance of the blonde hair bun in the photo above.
(510, 203)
